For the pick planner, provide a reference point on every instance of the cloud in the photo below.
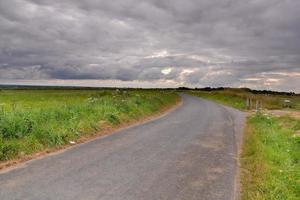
(202, 42)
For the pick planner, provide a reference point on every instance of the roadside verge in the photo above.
(106, 129)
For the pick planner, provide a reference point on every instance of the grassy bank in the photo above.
(35, 120)
(237, 98)
(271, 159)
(228, 98)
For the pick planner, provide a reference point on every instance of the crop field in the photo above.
(32, 120)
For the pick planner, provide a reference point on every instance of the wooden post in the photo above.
(287, 103)
(258, 106)
(248, 103)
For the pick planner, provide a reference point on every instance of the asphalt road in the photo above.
(189, 154)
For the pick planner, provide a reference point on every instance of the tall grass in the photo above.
(33, 120)
(271, 159)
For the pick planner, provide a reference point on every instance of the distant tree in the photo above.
(184, 88)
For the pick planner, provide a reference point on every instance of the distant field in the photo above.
(237, 98)
(34, 120)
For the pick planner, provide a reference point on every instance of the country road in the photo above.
(188, 154)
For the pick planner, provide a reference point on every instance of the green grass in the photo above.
(237, 98)
(35, 120)
(271, 159)
(226, 98)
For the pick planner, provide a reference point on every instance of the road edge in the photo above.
(239, 124)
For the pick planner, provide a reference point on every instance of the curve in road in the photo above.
(188, 154)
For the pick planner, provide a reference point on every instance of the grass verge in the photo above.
(270, 159)
(37, 120)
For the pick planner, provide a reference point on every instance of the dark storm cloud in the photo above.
(193, 42)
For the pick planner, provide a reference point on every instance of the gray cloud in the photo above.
(195, 42)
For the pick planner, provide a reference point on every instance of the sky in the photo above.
(151, 43)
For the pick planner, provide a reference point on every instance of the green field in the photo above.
(237, 98)
(39, 119)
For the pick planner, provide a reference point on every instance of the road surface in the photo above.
(189, 154)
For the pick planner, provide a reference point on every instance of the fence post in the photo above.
(248, 103)
(258, 106)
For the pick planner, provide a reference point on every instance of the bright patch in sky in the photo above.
(159, 54)
(166, 71)
(187, 71)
